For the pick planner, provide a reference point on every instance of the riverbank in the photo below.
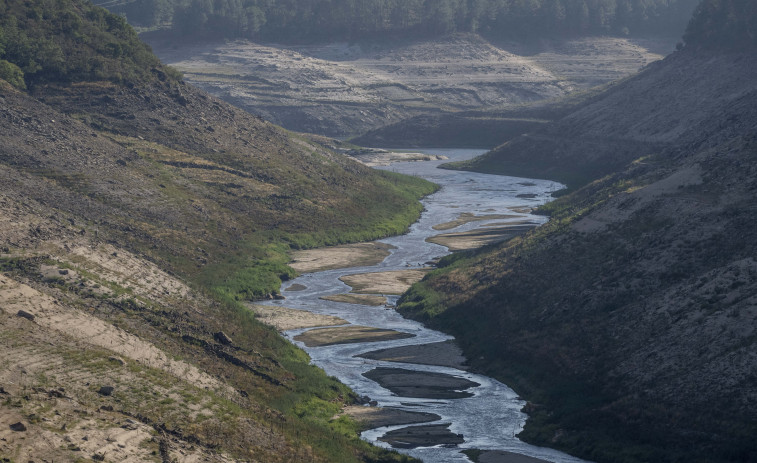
(412, 370)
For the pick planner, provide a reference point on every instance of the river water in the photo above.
(490, 419)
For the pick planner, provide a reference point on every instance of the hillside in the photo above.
(669, 104)
(307, 21)
(344, 89)
(628, 321)
(136, 212)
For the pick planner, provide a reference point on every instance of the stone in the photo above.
(223, 338)
(18, 427)
(25, 314)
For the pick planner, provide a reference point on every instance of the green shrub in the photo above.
(12, 74)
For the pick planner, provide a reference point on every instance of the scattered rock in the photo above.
(106, 390)
(365, 400)
(25, 314)
(117, 360)
(18, 427)
(223, 338)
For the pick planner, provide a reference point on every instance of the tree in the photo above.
(12, 74)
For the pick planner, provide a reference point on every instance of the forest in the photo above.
(320, 20)
(43, 42)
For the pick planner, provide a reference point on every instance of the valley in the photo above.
(182, 279)
(399, 366)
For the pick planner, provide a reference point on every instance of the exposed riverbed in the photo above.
(476, 412)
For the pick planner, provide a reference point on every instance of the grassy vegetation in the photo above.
(71, 40)
(134, 160)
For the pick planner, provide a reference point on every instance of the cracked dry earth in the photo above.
(341, 89)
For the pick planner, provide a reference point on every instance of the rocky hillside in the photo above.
(345, 89)
(135, 212)
(629, 320)
(669, 104)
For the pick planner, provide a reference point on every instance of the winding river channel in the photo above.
(490, 417)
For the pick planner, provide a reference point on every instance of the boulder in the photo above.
(117, 360)
(25, 314)
(223, 338)
(18, 427)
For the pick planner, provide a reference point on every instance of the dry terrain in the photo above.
(376, 417)
(342, 89)
(349, 255)
(284, 318)
(395, 282)
(348, 335)
(467, 217)
(464, 241)
(74, 381)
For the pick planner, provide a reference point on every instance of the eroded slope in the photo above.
(347, 89)
(629, 319)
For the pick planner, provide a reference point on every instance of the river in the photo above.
(490, 419)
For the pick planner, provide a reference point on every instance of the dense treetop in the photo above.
(67, 41)
(724, 24)
(304, 20)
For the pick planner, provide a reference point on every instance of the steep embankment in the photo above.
(341, 89)
(667, 105)
(629, 320)
(134, 210)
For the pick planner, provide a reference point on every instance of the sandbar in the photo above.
(377, 157)
(333, 257)
(296, 287)
(360, 299)
(348, 335)
(395, 282)
(284, 318)
(421, 384)
(467, 217)
(422, 436)
(445, 353)
(473, 239)
(376, 417)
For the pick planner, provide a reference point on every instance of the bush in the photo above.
(12, 74)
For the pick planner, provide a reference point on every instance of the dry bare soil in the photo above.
(342, 89)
